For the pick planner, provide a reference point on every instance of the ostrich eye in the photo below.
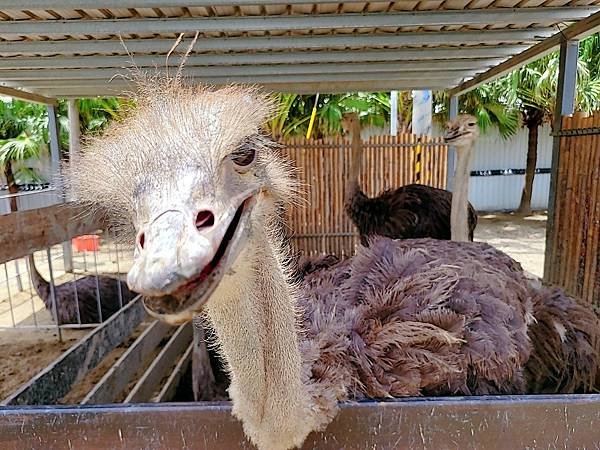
(243, 156)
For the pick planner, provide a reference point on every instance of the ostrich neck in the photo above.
(41, 286)
(459, 215)
(254, 318)
(352, 184)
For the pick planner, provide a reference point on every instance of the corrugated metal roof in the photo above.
(73, 48)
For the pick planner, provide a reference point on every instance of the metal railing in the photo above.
(22, 307)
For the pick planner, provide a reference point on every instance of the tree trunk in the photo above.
(12, 185)
(532, 143)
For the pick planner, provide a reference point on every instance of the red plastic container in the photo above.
(86, 243)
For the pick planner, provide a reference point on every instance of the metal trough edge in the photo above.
(560, 421)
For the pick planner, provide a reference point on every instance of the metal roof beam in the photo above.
(579, 30)
(465, 17)
(120, 83)
(454, 67)
(296, 88)
(493, 54)
(27, 96)
(108, 4)
(281, 43)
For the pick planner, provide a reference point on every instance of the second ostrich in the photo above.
(81, 293)
(199, 186)
(461, 133)
(411, 211)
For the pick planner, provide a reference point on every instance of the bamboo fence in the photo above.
(575, 238)
(320, 224)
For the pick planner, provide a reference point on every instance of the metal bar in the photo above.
(122, 372)
(577, 132)
(170, 387)
(444, 76)
(578, 30)
(304, 87)
(53, 295)
(57, 379)
(565, 105)
(120, 290)
(492, 53)
(244, 24)
(149, 382)
(77, 311)
(35, 322)
(493, 422)
(54, 142)
(18, 276)
(106, 4)
(98, 300)
(342, 41)
(73, 326)
(451, 69)
(451, 159)
(27, 96)
(10, 305)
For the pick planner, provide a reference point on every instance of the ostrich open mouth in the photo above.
(187, 300)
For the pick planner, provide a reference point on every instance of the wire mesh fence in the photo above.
(74, 285)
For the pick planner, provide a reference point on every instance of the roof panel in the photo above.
(77, 35)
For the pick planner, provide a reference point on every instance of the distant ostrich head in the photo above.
(195, 178)
(350, 122)
(462, 131)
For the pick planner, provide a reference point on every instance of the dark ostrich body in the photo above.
(409, 212)
(66, 301)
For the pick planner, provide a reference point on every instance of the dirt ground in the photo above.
(522, 238)
(24, 352)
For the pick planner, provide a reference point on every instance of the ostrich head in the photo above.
(350, 122)
(461, 131)
(193, 178)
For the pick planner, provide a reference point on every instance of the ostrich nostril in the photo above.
(141, 240)
(205, 219)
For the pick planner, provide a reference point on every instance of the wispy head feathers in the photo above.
(174, 127)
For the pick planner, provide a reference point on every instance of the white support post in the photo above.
(55, 157)
(393, 113)
(565, 105)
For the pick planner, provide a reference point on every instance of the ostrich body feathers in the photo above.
(424, 317)
(409, 212)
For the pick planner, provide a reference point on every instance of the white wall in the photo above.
(504, 192)
(32, 199)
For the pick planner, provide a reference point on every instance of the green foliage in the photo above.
(24, 129)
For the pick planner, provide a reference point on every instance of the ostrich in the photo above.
(191, 176)
(411, 211)
(81, 292)
(461, 133)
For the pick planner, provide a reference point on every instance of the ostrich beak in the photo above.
(453, 133)
(180, 262)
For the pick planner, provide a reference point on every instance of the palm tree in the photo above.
(532, 89)
(488, 103)
(23, 135)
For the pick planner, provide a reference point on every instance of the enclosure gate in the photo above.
(575, 234)
(320, 224)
